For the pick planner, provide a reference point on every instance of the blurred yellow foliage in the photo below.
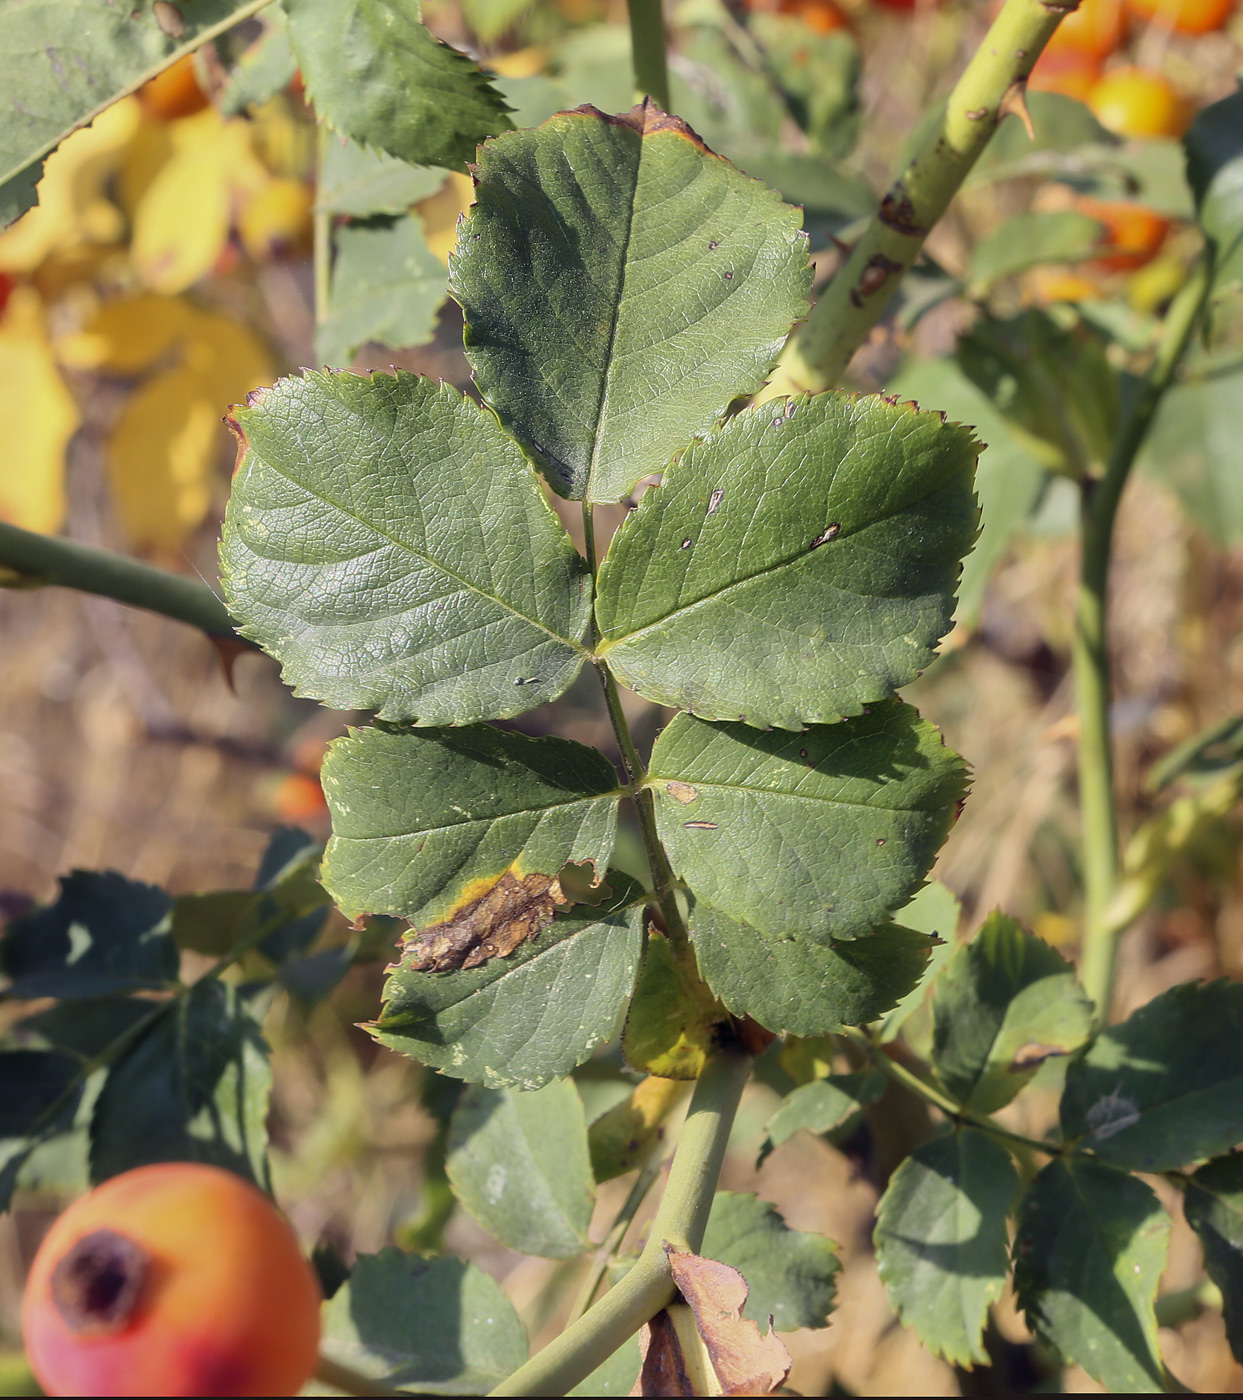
(39, 415)
(440, 213)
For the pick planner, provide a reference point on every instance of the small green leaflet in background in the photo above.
(819, 835)
(795, 566)
(941, 1242)
(818, 75)
(621, 285)
(789, 1273)
(1030, 240)
(387, 286)
(801, 986)
(934, 909)
(62, 64)
(359, 182)
(1088, 1255)
(1214, 145)
(822, 1106)
(1165, 1087)
(104, 934)
(42, 1091)
(491, 18)
(1213, 1202)
(194, 1087)
(377, 75)
(390, 546)
(1005, 1003)
(418, 815)
(266, 68)
(519, 1164)
(434, 1326)
(519, 1021)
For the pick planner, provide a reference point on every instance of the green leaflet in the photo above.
(387, 286)
(519, 1021)
(1005, 1003)
(1029, 241)
(621, 284)
(266, 67)
(377, 75)
(1165, 1087)
(789, 1273)
(387, 543)
(354, 180)
(64, 61)
(933, 909)
(819, 835)
(519, 1164)
(1088, 1254)
(804, 986)
(422, 820)
(1215, 172)
(795, 566)
(941, 1242)
(1213, 1203)
(436, 1326)
(822, 1106)
(41, 1098)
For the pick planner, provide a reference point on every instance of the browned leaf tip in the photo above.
(663, 1369)
(490, 924)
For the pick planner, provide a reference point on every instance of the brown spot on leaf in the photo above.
(1033, 1055)
(831, 533)
(715, 500)
(682, 792)
(490, 924)
(169, 18)
(243, 442)
(700, 826)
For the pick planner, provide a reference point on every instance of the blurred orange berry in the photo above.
(299, 797)
(1070, 72)
(1096, 29)
(1046, 285)
(173, 93)
(1184, 16)
(276, 219)
(820, 16)
(1133, 233)
(1139, 102)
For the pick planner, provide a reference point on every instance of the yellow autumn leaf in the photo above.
(72, 208)
(228, 357)
(441, 211)
(39, 415)
(128, 335)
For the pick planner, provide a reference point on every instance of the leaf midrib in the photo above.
(484, 821)
(465, 583)
(654, 780)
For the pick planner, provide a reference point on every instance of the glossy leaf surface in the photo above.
(1088, 1255)
(795, 566)
(420, 815)
(390, 547)
(818, 835)
(941, 1241)
(621, 284)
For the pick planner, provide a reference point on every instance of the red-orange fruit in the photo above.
(1069, 71)
(1139, 102)
(173, 93)
(176, 1279)
(1184, 16)
(1096, 29)
(1133, 233)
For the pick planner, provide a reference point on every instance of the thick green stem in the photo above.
(993, 84)
(647, 45)
(680, 1222)
(351, 1382)
(49, 559)
(1099, 510)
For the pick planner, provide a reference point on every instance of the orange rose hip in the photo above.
(176, 1279)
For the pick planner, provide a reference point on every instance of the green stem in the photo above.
(321, 247)
(52, 560)
(616, 1232)
(647, 45)
(679, 1223)
(1098, 512)
(839, 323)
(351, 1382)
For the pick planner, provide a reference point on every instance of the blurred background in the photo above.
(168, 270)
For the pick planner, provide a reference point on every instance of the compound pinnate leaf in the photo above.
(795, 566)
(426, 821)
(941, 1241)
(104, 934)
(1005, 1003)
(519, 1163)
(1213, 1202)
(621, 284)
(1165, 1087)
(804, 986)
(356, 181)
(193, 1087)
(1215, 172)
(818, 835)
(516, 1022)
(387, 285)
(438, 1326)
(63, 63)
(388, 544)
(377, 75)
(1088, 1255)
(789, 1273)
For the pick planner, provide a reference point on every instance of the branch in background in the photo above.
(48, 560)
(647, 46)
(992, 85)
